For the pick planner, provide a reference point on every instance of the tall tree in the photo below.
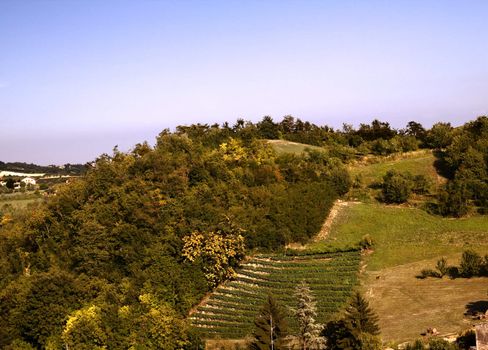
(306, 313)
(271, 327)
(357, 330)
(360, 315)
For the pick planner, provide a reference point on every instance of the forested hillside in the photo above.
(117, 258)
(101, 263)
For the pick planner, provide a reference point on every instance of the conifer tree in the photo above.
(358, 329)
(360, 316)
(270, 327)
(306, 314)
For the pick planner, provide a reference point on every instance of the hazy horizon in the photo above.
(78, 78)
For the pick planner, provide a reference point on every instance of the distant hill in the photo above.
(66, 169)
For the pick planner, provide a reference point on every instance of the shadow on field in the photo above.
(476, 307)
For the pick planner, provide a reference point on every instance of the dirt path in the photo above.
(338, 206)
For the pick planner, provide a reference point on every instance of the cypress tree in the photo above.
(270, 327)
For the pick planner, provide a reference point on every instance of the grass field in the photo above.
(403, 235)
(18, 200)
(282, 146)
(417, 163)
(406, 240)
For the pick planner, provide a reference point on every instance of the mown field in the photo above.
(282, 146)
(230, 311)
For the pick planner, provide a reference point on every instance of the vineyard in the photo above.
(230, 311)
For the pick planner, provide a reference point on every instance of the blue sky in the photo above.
(79, 77)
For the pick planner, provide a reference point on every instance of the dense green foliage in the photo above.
(102, 263)
(466, 160)
(396, 187)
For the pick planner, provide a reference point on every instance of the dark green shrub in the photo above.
(396, 187)
(466, 339)
(453, 200)
(453, 271)
(424, 273)
(471, 264)
(421, 185)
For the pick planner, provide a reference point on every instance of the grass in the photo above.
(18, 200)
(403, 235)
(282, 146)
(417, 163)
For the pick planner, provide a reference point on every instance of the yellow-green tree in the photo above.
(218, 252)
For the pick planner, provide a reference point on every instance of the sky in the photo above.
(79, 77)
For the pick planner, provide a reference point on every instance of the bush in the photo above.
(466, 339)
(424, 273)
(396, 187)
(421, 185)
(453, 200)
(366, 242)
(442, 266)
(416, 345)
(440, 344)
(471, 264)
(453, 271)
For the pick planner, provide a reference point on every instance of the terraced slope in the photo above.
(230, 311)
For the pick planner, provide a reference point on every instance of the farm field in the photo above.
(230, 311)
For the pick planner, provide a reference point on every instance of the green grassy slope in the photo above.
(417, 163)
(405, 235)
(282, 146)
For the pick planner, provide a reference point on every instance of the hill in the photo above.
(20, 167)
